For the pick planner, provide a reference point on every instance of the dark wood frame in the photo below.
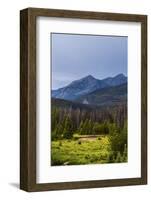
(28, 98)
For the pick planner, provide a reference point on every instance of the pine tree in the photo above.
(86, 127)
(124, 157)
(118, 158)
(67, 132)
(90, 125)
(80, 130)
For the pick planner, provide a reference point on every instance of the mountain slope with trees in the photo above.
(107, 96)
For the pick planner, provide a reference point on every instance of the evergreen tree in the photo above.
(67, 132)
(118, 158)
(124, 157)
(80, 130)
(118, 138)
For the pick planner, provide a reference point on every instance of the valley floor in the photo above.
(82, 150)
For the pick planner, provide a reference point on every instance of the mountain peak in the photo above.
(89, 76)
(120, 75)
(116, 80)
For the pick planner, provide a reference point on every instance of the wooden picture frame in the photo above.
(28, 98)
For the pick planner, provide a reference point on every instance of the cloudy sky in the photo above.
(76, 56)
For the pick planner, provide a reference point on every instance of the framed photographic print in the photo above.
(83, 92)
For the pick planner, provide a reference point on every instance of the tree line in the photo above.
(67, 121)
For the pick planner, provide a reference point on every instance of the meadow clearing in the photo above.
(84, 150)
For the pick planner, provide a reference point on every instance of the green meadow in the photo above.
(87, 150)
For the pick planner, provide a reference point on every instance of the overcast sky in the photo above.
(76, 56)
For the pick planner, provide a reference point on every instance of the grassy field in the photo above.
(78, 151)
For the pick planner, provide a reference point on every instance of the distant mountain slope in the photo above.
(117, 80)
(78, 88)
(86, 85)
(107, 96)
(61, 103)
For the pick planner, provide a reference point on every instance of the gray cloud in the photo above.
(75, 56)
